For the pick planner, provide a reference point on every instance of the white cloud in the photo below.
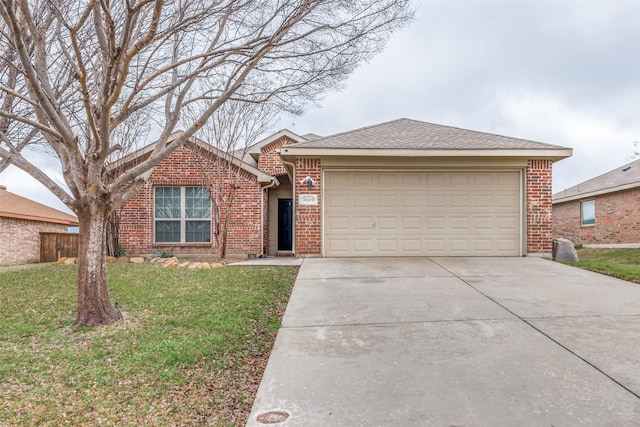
(599, 141)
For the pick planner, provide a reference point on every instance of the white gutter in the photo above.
(555, 154)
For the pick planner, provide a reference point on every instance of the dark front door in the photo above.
(285, 224)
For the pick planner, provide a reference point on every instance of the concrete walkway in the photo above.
(454, 342)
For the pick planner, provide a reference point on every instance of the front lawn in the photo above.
(191, 350)
(621, 263)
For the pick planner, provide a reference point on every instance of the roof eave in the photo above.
(594, 193)
(255, 149)
(547, 153)
(39, 219)
(260, 176)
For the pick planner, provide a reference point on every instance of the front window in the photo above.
(588, 212)
(182, 215)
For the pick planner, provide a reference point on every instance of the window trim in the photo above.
(183, 217)
(582, 219)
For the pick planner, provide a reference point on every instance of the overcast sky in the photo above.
(564, 73)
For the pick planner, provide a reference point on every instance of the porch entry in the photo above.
(285, 224)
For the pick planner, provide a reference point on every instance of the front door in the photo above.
(285, 224)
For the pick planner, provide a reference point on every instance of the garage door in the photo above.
(409, 213)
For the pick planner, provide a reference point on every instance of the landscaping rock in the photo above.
(111, 259)
(564, 250)
(122, 259)
(184, 264)
(61, 260)
(216, 265)
(71, 261)
(171, 262)
(194, 265)
(137, 260)
(204, 265)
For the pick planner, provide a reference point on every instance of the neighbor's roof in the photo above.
(621, 178)
(407, 134)
(14, 206)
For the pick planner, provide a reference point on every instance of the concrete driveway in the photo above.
(454, 342)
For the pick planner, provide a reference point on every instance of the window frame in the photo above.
(183, 219)
(592, 221)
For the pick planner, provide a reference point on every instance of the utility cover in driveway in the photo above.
(422, 213)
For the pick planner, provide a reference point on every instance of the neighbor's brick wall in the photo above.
(308, 233)
(539, 207)
(185, 168)
(20, 239)
(617, 218)
(269, 160)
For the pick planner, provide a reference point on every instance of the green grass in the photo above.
(191, 350)
(621, 263)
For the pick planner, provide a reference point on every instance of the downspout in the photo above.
(266, 187)
(293, 208)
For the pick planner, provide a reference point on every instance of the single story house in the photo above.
(400, 188)
(601, 212)
(21, 222)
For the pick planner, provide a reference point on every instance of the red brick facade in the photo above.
(250, 210)
(308, 231)
(186, 168)
(269, 161)
(617, 220)
(539, 208)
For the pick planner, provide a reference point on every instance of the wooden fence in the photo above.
(56, 245)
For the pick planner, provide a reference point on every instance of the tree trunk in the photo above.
(94, 304)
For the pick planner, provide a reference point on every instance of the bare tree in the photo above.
(94, 70)
(230, 131)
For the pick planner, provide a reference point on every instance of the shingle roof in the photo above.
(620, 178)
(412, 134)
(14, 206)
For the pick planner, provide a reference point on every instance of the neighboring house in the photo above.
(603, 211)
(400, 188)
(21, 222)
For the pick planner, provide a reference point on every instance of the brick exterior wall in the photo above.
(20, 239)
(539, 207)
(617, 220)
(269, 161)
(185, 168)
(308, 231)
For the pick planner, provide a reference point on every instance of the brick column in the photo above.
(539, 207)
(308, 225)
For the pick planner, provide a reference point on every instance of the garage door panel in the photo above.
(338, 223)
(363, 201)
(410, 201)
(435, 201)
(422, 213)
(459, 224)
(387, 180)
(387, 223)
(362, 223)
(363, 179)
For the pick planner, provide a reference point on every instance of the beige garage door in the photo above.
(409, 213)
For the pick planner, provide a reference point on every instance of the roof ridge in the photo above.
(412, 130)
(355, 130)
